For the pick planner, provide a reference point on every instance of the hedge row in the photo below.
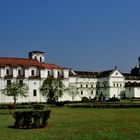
(20, 106)
(31, 119)
(10, 106)
(104, 105)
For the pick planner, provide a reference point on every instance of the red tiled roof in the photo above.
(15, 62)
(26, 62)
(51, 66)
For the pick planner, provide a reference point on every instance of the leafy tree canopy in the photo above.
(52, 89)
(16, 89)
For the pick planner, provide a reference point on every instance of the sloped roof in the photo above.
(51, 66)
(134, 84)
(72, 73)
(14, 62)
(129, 76)
(105, 73)
(86, 74)
(26, 62)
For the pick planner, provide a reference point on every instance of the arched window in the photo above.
(32, 72)
(35, 57)
(19, 72)
(49, 73)
(40, 59)
(34, 92)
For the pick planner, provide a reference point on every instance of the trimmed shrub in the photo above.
(104, 105)
(3, 106)
(21, 106)
(31, 119)
(38, 107)
(59, 104)
(113, 99)
(85, 99)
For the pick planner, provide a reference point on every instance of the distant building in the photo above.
(33, 71)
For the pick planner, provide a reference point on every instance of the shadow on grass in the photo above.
(13, 127)
(30, 128)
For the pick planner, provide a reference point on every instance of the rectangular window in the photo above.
(58, 73)
(8, 82)
(19, 72)
(97, 93)
(7, 72)
(81, 92)
(49, 73)
(34, 92)
(32, 72)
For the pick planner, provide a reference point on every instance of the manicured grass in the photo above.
(79, 124)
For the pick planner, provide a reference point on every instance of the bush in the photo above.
(113, 99)
(31, 119)
(60, 104)
(22, 106)
(104, 105)
(3, 106)
(85, 99)
(11, 106)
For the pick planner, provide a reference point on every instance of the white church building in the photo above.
(33, 71)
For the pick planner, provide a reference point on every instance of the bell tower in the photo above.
(38, 55)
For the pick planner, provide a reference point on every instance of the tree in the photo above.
(16, 89)
(73, 91)
(52, 89)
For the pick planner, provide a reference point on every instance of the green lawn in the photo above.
(79, 124)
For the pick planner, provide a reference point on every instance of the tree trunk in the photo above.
(15, 99)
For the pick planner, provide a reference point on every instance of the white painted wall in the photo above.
(137, 92)
(115, 84)
(130, 92)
